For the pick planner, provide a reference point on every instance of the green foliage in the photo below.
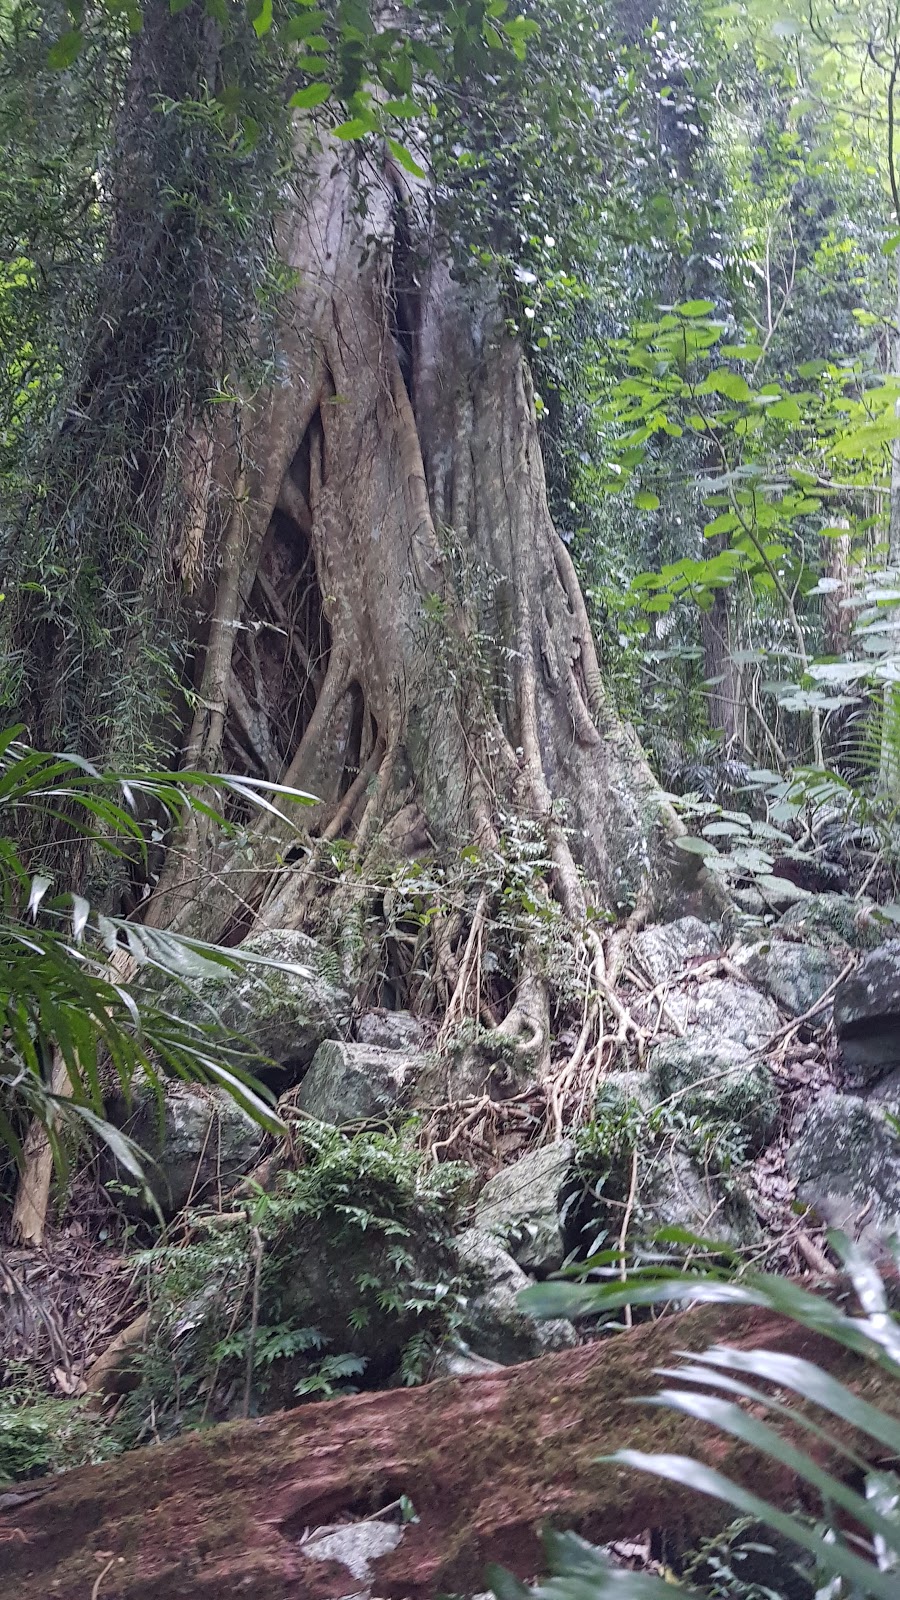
(627, 1148)
(353, 1246)
(773, 1403)
(63, 998)
(40, 1434)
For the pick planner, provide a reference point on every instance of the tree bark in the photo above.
(395, 476)
(486, 1462)
(724, 690)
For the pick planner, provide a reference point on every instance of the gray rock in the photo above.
(750, 901)
(720, 1084)
(724, 1009)
(796, 975)
(521, 1206)
(199, 1140)
(493, 1326)
(354, 1545)
(489, 1063)
(674, 1193)
(391, 1030)
(285, 1011)
(846, 1162)
(832, 921)
(779, 893)
(670, 947)
(458, 1361)
(356, 1082)
(867, 1016)
(671, 1190)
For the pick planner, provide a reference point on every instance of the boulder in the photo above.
(795, 975)
(750, 902)
(480, 1061)
(846, 1162)
(198, 1139)
(720, 1084)
(779, 893)
(521, 1207)
(391, 1030)
(366, 1290)
(671, 947)
(284, 1010)
(493, 1327)
(675, 1193)
(356, 1082)
(724, 1009)
(833, 921)
(671, 1190)
(867, 1016)
(458, 1361)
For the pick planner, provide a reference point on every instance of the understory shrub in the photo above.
(343, 1275)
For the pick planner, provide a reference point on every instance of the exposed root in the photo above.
(469, 975)
(204, 743)
(528, 1022)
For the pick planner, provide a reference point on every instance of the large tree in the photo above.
(337, 509)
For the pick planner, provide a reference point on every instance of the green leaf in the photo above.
(355, 128)
(694, 846)
(406, 159)
(645, 500)
(517, 32)
(260, 16)
(682, 1469)
(695, 308)
(315, 94)
(729, 384)
(302, 26)
(726, 522)
(66, 50)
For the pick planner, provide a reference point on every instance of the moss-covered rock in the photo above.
(672, 947)
(832, 921)
(284, 1006)
(198, 1139)
(352, 1262)
(350, 1083)
(867, 1016)
(720, 1085)
(846, 1162)
(492, 1325)
(521, 1206)
(795, 975)
(637, 1159)
(724, 1009)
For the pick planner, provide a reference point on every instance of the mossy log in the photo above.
(485, 1460)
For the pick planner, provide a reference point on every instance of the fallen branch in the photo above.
(485, 1460)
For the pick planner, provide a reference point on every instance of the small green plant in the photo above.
(76, 1009)
(624, 1161)
(40, 1434)
(344, 1272)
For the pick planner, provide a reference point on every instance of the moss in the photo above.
(720, 1086)
(832, 920)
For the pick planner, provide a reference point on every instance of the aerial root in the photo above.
(595, 1047)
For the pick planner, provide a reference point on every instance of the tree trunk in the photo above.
(398, 627)
(889, 765)
(486, 1461)
(724, 696)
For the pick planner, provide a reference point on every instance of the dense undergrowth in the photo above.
(690, 219)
